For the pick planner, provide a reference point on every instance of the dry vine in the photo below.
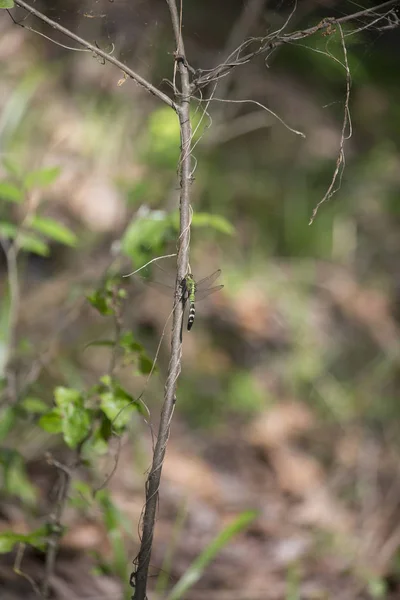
(191, 84)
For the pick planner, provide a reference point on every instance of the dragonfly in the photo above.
(192, 291)
(199, 290)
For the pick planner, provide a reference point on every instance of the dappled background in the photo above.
(288, 401)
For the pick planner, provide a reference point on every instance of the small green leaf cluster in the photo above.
(109, 298)
(90, 417)
(86, 420)
(35, 232)
(150, 232)
(37, 539)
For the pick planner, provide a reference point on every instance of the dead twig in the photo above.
(268, 43)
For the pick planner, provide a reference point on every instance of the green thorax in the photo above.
(190, 287)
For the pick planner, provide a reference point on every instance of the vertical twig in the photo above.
(55, 526)
(140, 574)
(340, 161)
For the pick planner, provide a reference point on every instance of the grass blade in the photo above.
(198, 566)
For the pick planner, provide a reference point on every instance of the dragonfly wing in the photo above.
(166, 290)
(204, 293)
(207, 281)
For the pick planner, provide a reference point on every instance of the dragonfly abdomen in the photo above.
(192, 312)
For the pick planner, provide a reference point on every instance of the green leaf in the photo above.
(31, 243)
(147, 234)
(19, 485)
(8, 418)
(216, 222)
(100, 302)
(76, 422)
(6, 3)
(98, 443)
(8, 539)
(64, 396)
(129, 345)
(196, 569)
(106, 380)
(26, 241)
(53, 230)
(75, 418)
(51, 422)
(42, 177)
(8, 231)
(15, 481)
(117, 405)
(10, 192)
(34, 405)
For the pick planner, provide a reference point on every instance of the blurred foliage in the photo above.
(296, 318)
(25, 236)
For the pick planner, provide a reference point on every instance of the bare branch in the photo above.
(107, 57)
(140, 573)
(249, 101)
(269, 42)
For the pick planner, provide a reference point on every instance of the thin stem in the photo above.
(53, 539)
(107, 57)
(139, 576)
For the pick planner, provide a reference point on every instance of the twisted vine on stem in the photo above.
(139, 576)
